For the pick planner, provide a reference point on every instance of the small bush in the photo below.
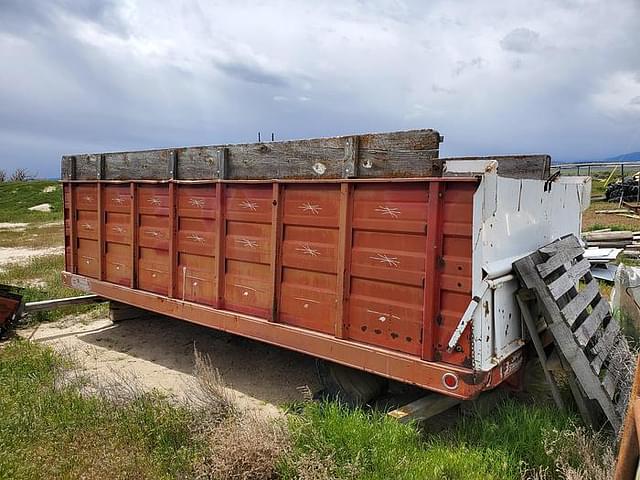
(21, 175)
(3, 176)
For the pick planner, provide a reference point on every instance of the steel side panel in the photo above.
(381, 271)
(309, 252)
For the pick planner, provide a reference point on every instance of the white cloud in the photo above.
(619, 95)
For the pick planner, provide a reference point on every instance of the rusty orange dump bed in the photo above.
(319, 256)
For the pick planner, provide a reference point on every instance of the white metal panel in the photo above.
(513, 218)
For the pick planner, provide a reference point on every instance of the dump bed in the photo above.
(354, 249)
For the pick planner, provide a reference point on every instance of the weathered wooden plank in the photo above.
(530, 323)
(570, 279)
(396, 154)
(197, 163)
(536, 167)
(86, 167)
(424, 408)
(572, 310)
(591, 324)
(611, 379)
(604, 345)
(568, 242)
(68, 167)
(565, 253)
(150, 164)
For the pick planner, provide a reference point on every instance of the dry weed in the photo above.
(312, 466)
(580, 454)
(245, 447)
(212, 397)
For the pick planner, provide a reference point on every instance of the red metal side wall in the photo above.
(382, 263)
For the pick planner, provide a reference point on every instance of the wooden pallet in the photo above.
(586, 337)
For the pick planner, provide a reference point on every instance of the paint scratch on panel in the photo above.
(386, 259)
(391, 211)
(247, 243)
(307, 250)
(308, 207)
(248, 205)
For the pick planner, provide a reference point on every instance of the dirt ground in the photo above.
(16, 255)
(159, 353)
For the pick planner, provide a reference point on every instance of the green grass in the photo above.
(500, 446)
(49, 430)
(612, 226)
(41, 280)
(34, 235)
(17, 197)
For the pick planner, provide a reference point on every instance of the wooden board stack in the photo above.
(606, 238)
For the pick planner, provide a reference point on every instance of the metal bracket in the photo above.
(350, 162)
(223, 160)
(466, 317)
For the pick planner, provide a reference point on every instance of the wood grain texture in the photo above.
(397, 154)
(572, 310)
(604, 345)
(570, 279)
(593, 322)
(515, 166)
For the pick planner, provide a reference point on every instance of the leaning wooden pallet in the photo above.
(587, 338)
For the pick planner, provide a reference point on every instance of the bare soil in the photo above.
(10, 255)
(159, 353)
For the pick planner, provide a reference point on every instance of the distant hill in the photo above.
(625, 157)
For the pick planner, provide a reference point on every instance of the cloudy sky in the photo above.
(559, 77)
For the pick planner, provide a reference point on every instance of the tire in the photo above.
(348, 385)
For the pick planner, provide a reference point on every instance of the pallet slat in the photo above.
(592, 323)
(572, 310)
(570, 279)
(565, 252)
(602, 349)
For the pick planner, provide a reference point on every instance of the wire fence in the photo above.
(604, 175)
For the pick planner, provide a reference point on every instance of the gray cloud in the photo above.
(521, 40)
(252, 74)
(103, 76)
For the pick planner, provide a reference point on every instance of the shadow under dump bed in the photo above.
(365, 250)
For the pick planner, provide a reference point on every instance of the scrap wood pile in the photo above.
(627, 241)
(627, 210)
